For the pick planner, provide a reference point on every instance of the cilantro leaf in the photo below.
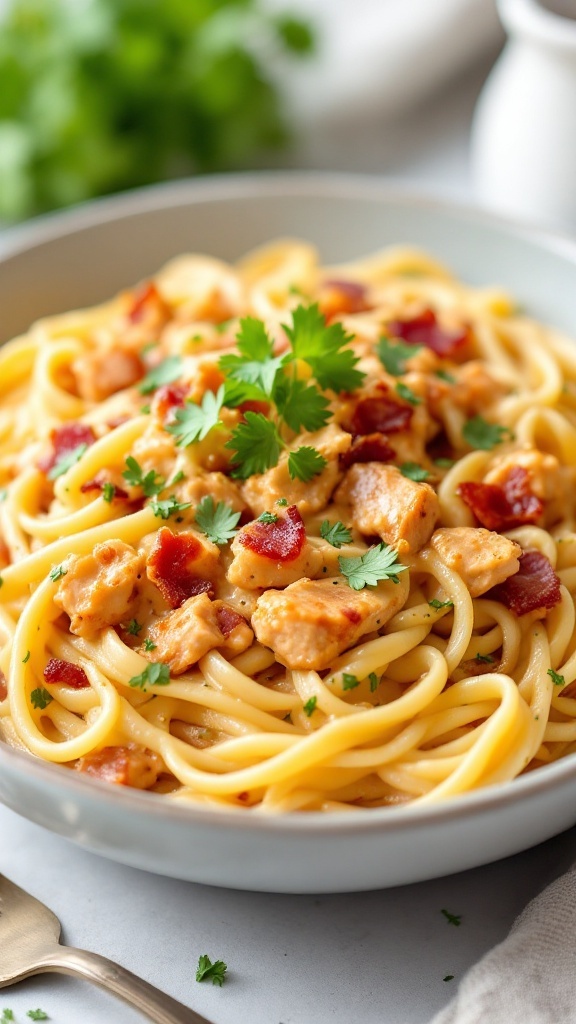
(310, 706)
(303, 406)
(335, 533)
(413, 471)
(407, 394)
(256, 363)
(556, 678)
(155, 674)
(168, 507)
(40, 698)
(478, 433)
(349, 681)
(194, 422)
(393, 355)
(256, 445)
(378, 563)
(324, 348)
(305, 463)
(166, 372)
(218, 523)
(66, 461)
(214, 971)
(151, 483)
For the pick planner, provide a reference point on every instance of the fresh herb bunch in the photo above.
(110, 94)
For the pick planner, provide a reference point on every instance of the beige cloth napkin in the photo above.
(530, 978)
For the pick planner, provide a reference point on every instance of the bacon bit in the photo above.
(169, 567)
(97, 485)
(380, 413)
(146, 300)
(337, 297)
(534, 586)
(65, 439)
(503, 506)
(3, 686)
(167, 398)
(228, 619)
(424, 329)
(243, 796)
(134, 766)
(371, 448)
(281, 541)
(59, 671)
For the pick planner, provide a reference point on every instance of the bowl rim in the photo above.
(51, 227)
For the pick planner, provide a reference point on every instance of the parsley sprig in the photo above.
(378, 563)
(166, 372)
(394, 354)
(151, 483)
(155, 674)
(217, 522)
(194, 422)
(478, 433)
(213, 971)
(335, 533)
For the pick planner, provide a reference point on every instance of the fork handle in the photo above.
(158, 1006)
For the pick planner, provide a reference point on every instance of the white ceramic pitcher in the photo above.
(523, 149)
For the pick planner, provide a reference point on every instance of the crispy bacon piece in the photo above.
(534, 586)
(97, 485)
(65, 439)
(171, 567)
(503, 506)
(381, 413)
(424, 329)
(3, 686)
(147, 301)
(281, 541)
(370, 448)
(228, 619)
(167, 398)
(338, 297)
(59, 671)
(134, 766)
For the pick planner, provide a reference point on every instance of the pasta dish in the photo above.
(282, 537)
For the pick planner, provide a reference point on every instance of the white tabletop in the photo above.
(374, 958)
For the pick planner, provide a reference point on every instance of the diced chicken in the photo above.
(253, 570)
(98, 589)
(214, 485)
(102, 372)
(384, 502)
(481, 557)
(311, 622)
(547, 479)
(133, 765)
(475, 389)
(156, 450)
(188, 633)
(262, 490)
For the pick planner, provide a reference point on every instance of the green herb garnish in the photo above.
(378, 563)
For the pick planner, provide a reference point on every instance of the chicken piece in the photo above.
(382, 501)
(547, 479)
(481, 557)
(475, 389)
(178, 563)
(155, 450)
(98, 589)
(262, 490)
(102, 372)
(133, 765)
(311, 622)
(185, 635)
(290, 555)
(214, 485)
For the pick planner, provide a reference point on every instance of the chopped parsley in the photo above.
(108, 491)
(40, 698)
(155, 674)
(133, 627)
(407, 394)
(6, 1015)
(486, 658)
(215, 972)
(267, 518)
(37, 1015)
(57, 573)
(282, 502)
(378, 563)
(177, 478)
(218, 522)
(413, 471)
(168, 507)
(151, 483)
(349, 682)
(556, 678)
(373, 679)
(444, 463)
(26, 658)
(437, 605)
(66, 461)
(165, 372)
(194, 422)
(478, 433)
(455, 919)
(149, 644)
(449, 378)
(335, 533)
(310, 706)
(394, 354)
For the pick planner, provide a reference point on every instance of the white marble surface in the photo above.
(374, 958)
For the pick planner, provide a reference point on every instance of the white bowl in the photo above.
(81, 257)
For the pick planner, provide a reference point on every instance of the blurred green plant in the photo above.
(97, 96)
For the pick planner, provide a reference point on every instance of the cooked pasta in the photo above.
(283, 537)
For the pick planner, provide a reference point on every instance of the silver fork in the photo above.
(30, 944)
